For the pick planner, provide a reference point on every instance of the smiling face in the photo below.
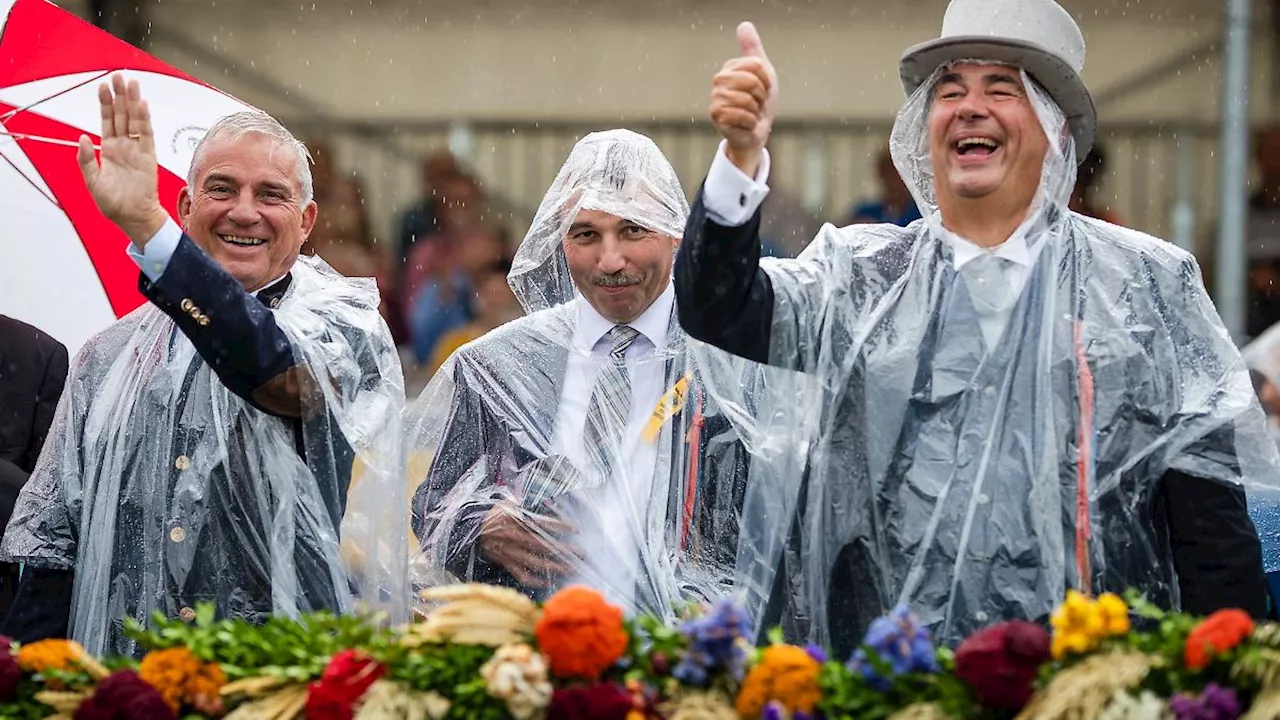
(245, 208)
(619, 266)
(985, 140)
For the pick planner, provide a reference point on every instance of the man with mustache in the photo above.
(203, 449)
(1016, 400)
(575, 444)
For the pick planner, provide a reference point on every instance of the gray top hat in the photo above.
(1035, 35)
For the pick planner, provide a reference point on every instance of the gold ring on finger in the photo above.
(135, 136)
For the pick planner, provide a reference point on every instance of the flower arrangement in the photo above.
(487, 653)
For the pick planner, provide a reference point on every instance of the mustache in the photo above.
(616, 280)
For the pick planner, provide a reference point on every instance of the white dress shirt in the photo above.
(622, 502)
(731, 198)
(154, 258)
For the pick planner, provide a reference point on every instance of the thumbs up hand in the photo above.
(744, 99)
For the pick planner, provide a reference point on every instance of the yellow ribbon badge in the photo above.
(668, 407)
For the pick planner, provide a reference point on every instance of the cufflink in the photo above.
(742, 200)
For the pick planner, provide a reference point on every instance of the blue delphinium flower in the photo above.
(776, 711)
(816, 652)
(898, 640)
(714, 644)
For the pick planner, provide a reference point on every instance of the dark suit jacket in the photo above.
(33, 370)
(246, 349)
(1202, 524)
(504, 421)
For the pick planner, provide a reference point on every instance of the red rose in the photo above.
(124, 696)
(10, 672)
(1000, 663)
(593, 702)
(345, 680)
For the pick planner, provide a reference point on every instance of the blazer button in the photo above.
(182, 462)
(186, 305)
(203, 320)
(186, 614)
(177, 534)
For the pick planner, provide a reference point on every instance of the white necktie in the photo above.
(991, 290)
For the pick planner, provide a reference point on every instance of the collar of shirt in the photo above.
(652, 323)
(1018, 249)
(274, 291)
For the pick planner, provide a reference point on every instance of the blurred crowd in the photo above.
(442, 276)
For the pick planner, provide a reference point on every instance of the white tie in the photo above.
(987, 278)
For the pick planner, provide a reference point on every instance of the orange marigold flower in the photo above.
(38, 657)
(786, 674)
(182, 679)
(580, 633)
(1215, 635)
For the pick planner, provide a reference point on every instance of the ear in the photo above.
(184, 206)
(309, 219)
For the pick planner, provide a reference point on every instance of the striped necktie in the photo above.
(609, 406)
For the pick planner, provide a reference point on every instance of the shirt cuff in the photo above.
(729, 196)
(153, 259)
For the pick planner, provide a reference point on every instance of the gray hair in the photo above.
(237, 125)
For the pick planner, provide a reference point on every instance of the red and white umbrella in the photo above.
(63, 266)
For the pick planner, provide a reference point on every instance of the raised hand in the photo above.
(744, 100)
(123, 181)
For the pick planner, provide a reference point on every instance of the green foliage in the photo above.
(451, 670)
(847, 695)
(654, 649)
(25, 706)
(297, 650)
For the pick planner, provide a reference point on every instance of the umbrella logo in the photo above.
(186, 138)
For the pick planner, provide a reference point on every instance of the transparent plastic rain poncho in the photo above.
(489, 437)
(163, 489)
(1262, 356)
(947, 475)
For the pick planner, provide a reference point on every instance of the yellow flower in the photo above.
(1115, 613)
(1080, 624)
